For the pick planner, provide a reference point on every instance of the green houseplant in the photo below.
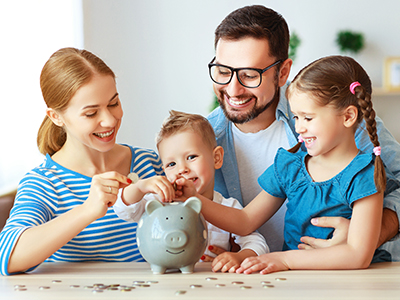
(349, 41)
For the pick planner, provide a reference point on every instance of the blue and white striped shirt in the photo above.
(50, 190)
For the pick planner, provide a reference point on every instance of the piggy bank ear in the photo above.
(194, 203)
(152, 205)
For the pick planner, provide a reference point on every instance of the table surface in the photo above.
(78, 281)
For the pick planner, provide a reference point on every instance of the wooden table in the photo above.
(75, 280)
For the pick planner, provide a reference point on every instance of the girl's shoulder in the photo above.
(287, 161)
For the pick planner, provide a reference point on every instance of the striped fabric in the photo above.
(50, 190)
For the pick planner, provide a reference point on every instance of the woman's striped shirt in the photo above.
(50, 190)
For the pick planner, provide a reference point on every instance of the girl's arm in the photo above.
(241, 221)
(364, 230)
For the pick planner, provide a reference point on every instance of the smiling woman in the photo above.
(63, 208)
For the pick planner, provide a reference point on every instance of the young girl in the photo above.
(329, 98)
(62, 210)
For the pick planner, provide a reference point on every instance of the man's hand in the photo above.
(341, 226)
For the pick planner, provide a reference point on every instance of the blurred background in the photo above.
(159, 51)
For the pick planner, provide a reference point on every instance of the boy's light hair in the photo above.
(179, 121)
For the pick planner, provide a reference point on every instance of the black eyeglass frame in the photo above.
(233, 70)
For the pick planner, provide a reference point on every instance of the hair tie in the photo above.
(377, 151)
(300, 139)
(353, 86)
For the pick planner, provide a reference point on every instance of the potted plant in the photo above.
(348, 41)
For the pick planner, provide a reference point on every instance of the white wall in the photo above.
(160, 49)
(30, 32)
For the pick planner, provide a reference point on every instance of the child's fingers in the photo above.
(215, 249)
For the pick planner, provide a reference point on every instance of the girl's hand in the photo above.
(266, 263)
(103, 192)
(184, 189)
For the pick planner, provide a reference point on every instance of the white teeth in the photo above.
(309, 140)
(238, 102)
(106, 134)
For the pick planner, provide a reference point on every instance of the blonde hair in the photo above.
(179, 121)
(67, 70)
(328, 79)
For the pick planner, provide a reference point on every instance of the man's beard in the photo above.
(251, 115)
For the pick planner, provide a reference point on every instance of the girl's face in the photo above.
(185, 154)
(321, 127)
(93, 116)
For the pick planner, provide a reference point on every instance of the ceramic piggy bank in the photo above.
(172, 236)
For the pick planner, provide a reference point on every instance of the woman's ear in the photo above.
(350, 116)
(54, 117)
(218, 157)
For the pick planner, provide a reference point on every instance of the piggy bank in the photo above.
(172, 236)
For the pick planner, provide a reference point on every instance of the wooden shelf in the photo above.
(381, 91)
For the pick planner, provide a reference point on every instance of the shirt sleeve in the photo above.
(32, 207)
(133, 212)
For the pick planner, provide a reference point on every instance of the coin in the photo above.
(280, 279)
(211, 278)
(180, 292)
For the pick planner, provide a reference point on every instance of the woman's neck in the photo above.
(90, 162)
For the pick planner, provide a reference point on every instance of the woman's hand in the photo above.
(103, 192)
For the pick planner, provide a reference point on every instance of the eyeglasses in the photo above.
(248, 77)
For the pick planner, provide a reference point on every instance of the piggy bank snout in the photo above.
(176, 239)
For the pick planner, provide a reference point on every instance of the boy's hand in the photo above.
(227, 262)
(156, 185)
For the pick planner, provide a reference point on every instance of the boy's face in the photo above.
(185, 154)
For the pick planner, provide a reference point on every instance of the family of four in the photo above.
(279, 166)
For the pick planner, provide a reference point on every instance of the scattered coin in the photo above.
(280, 279)
(211, 278)
(193, 286)
(220, 285)
(18, 286)
(245, 287)
(152, 282)
(138, 281)
(74, 286)
(44, 287)
(265, 282)
(21, 289)
(126, 289)
(237, 282)
(56, 281)
(266, 286)
(180, 292)
(97, 291)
